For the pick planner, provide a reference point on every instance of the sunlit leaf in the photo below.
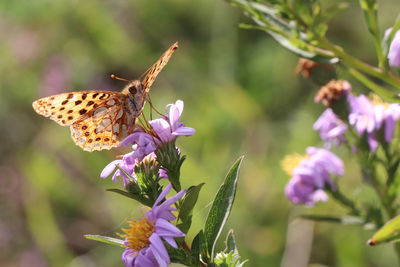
(220, 210)
(389, 232)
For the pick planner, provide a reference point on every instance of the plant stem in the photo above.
(345, 201)
(381, 91)
(360, 65)
(370, 15)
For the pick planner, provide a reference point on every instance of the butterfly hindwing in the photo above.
(103, 127)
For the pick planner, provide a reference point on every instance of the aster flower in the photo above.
(311, 174)
(169, 127)
(331, 128)
(144, 143)
(369, 116)
(127, 163)
(394, 49)
(143, 239)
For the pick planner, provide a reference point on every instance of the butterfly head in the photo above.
(136, 94)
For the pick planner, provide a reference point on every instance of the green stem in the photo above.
(381, 91)
(345, 201)
(360, 65)
(370, 13)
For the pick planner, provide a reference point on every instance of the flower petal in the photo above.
(158, 249)
(109, 168)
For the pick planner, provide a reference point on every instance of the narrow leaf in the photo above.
(106, 239)
(220, 210)
(389, 232)
(198, 249)
(185, 212)
(144, 201)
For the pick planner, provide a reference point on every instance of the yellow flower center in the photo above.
(292, 161)
(376, 101)
(138, 233)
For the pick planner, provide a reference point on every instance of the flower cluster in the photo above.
(145, 142)
(369, 117)
(311, 174)
(143, 239)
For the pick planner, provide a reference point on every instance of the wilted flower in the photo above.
(394, 49)
(144, 238)
(311, 174)
(332, 91)
(331, 128)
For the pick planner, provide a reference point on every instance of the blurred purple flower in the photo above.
(331, 128)
(143, 240)
(25, 44)
(369, 116)
(394, 49)
(311, 174)
(164, 129)
(55, 76)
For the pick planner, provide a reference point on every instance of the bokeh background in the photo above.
(241, 95)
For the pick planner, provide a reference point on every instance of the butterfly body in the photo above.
(101, 119)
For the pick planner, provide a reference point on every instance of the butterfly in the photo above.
(102, 119)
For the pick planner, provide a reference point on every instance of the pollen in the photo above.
(292, 161)
(138, 234)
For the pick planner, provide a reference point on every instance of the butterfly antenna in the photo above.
(119, 78)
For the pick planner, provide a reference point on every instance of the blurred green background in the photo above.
(241, 96)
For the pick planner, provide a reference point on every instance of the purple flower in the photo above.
(144, 143)
(127, 163)
(301, 192)
(311, 174)
(331, 128)
(371, 116)
(143, 240)
(169, 127)
(394, 49)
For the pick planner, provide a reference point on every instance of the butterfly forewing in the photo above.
(154, 70)
(66, 108)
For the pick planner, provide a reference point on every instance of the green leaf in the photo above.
(143, 200)
(106, 239)
(286, 33)
(220, 210)
(198, 249)
(186, 210)
(305, 9)
(389, 232)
